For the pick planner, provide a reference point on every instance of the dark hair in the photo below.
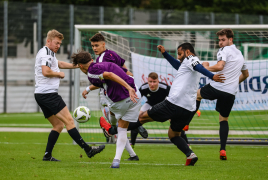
(153, 75)
(228, 32)
(97, 38)
(82, 57)
(186, 46)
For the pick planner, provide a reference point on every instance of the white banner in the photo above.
(252, 94)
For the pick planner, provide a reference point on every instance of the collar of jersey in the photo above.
(154, 90)
(190, 56)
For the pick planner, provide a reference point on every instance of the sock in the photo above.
(113, 130)
(182, 145)
(78, 139)
(133, 125)
(134, 135)
(197, 105)
(183, 135)
(52, 139)
(121, 142)
(224, 130)
(129, 149)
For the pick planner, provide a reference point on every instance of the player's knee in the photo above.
(58, 127)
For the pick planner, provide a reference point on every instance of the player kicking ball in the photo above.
(124, 103)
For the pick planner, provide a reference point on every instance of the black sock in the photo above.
(224, 130)
(113, 130)
(182, 145)
(197, 105)
(134, 135)
(183, 135)
(133, 125)
(78, 139)
(52, 139)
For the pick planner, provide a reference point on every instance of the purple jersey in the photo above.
(115, 91)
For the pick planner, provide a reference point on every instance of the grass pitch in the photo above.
(21, 154)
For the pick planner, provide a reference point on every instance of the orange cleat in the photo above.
(105, 126)
(198, 112)
(223, 155)
(186, 128)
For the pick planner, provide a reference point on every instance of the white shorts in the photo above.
(103, 99)
(145, 107)
(126, 110)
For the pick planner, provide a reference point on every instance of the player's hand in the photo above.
(132, 94)
(219, 78)
(205, 64)
(84, 93)
(161, 48)
(61, 75)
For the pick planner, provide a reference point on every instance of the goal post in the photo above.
(137, 44)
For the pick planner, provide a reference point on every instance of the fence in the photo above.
(24, 29)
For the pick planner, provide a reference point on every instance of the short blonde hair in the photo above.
(54, 33)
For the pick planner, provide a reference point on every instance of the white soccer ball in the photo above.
(81, 114)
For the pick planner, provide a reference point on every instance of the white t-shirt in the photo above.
(44, 85)
(234, 63)
(184, 88)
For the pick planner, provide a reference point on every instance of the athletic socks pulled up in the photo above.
(183, 135)
(78, 139)
(133, 126)
(52, 139)
(182, 145)
(224, 130)
(121, 142)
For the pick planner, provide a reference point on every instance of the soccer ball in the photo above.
(81, 114)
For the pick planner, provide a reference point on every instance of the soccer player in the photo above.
(230, 63)
(121, 94)
(106, 55)
(47, 80)
(180, 105)
(155, 92)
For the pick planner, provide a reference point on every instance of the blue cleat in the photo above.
(115, 164)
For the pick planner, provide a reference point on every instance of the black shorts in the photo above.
(225, 101)
(51, 103)
(165, 110)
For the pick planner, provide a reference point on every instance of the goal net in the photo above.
(248, 121)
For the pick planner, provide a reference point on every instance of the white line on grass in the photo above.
(151, 164)
(20, 115)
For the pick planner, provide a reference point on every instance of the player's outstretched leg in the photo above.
(133, 137)
(224, 130)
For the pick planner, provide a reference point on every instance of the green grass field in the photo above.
(21, 154)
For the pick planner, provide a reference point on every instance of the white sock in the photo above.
(130, 150)
(113, 120)
(121, 142)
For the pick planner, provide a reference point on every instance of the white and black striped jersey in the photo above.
(157, 96)
(43, 85)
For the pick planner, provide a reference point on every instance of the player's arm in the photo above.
(243, 76)
(47, 72)
(65, 65)
(128, 72)
(217, 67)
(174, 62)
(113, 77)
(88, 89)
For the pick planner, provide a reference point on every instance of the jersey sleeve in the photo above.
(141, 91)
(222, 54)
(46, 59)
(114, 58)
(97, 73)
(244, 67)
(192, 62)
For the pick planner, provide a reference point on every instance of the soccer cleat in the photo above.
(94, 150)
(191, 160)
(135, 158)
(142, 131)
(198, 112)
(223, 155)
(50, 159)
(186, 128)
(115, 164)
(105, 126)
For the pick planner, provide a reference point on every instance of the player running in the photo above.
(231, 63)
(121, 94)
(106, 55)
(47, 80)
(180, 105)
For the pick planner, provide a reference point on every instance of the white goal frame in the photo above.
(79, 28)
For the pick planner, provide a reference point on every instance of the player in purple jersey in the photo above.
(124, 103)
(106, 55)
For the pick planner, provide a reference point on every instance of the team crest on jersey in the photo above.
(148, 95)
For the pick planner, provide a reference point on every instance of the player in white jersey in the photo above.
(230, 63)
(47, 80)
(180, 105)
